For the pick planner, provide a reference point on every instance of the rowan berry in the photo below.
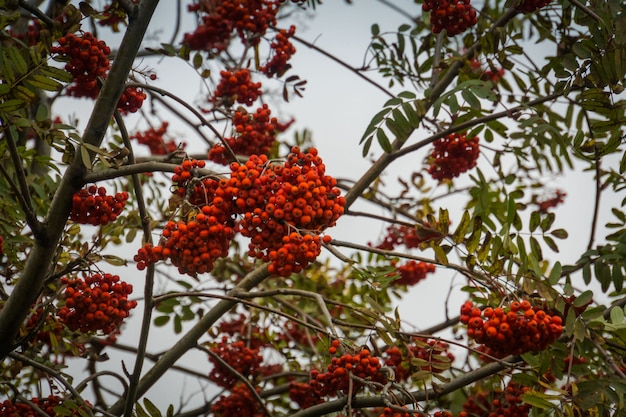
(154, 139)
(131, 100)
(240, 402)
(11, 408)
(91, 205)
(238, 356)
(254, 134)
(236, 87)
(87, 59)
(282, 50)
(452, 156)
(455, 16)
(497, 402)
(511, 330)
(413, 272)
(96, 302)
(431, 350)
(547, 202)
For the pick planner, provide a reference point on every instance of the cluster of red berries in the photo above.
(389, 412)
(435, 352)
(87, 60)
(30, 35)
(529, 6)
(546, 204)
(1, 245)
(455, 16)
(154, 139)
(453, 155)
(236, 87)
(240, 402)
(238, 356)
(283, 210)
(92, 205)
(491, 74)
(249, 19)
(255, 134)
(514, 330)
(278, 202)
(413, 272)
(97, 302)
(252, 335)
(497, 402)
(282, 50)
(337, 376)
(131, 100)
(10, 408)
(192, 246)
(410, 237)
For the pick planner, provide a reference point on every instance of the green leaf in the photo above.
(555, 274)
(152, 409)
(383, 140)
(140, 411)
(583, 299)
(161, 320)
(536, 399)
(375, 29)
(559, 233)
(44, 83)
(459, 233)
(617, 315)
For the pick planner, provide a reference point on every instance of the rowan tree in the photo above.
(214, 219)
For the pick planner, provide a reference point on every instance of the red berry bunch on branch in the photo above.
(282, 50)
(155, 141)
(497, 402)
(97, 302)
(131, 100)
(11, 408)
(92, 205)
(236, 87)
(413, 272)
(546, 203)
(514, 330)
(87, 60)
(255, 134)
(337, 376)
(432, 353)
(453, 155)
(283, 207)
(238, 356)
(409, 236)
(530, 6)
(286, 200)
(455, 16)
(250, 19)
(241, 403)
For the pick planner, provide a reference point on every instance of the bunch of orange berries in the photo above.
(97, 302)
(453, 155)
(92, 205)
(513, 330)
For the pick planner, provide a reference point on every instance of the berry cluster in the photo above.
(283, 210)
(236, 87)
(546, 204)
(1, 245)
(455, 16)
(255, 134)
(435, 352)
(97, 302)
(250, 19)
(10, 408)
(497, 402)
(92, 205)
(337, 376)
(452, 156)
(413, 272)
(30, 35)
(530, 6)
(131, 100)
(87, 60)
(153, 139)
(238, 356)
(303, 394)
(491, 73)
(241, 403)
(410, 237)
(515, 330)
(282, 50)
(280, 201)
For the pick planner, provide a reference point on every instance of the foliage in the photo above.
(229, 224)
